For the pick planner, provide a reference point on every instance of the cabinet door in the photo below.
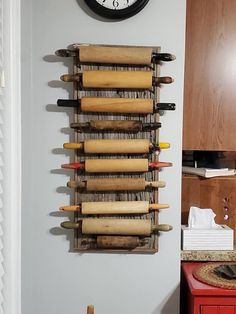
(210, 75)
(207, 309)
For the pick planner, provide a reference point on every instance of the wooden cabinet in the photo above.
(218, 193)
(200, 298)
(210, 75)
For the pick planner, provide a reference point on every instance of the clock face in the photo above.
(116, 9)
(116, 4)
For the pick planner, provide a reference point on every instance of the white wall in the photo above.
(54, 280)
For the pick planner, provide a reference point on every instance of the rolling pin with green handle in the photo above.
(116, 165)
(116, 242)
(114, 146)
(116, 184)
(139, 227)
(120, 207)
(116, 79)
(116, 55)
(131, 126)
(116, 105)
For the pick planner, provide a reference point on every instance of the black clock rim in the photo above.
(116, 14)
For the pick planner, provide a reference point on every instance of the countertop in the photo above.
(213, 256)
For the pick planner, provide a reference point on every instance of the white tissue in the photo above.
(201, 218)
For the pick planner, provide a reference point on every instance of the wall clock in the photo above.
(116, 9)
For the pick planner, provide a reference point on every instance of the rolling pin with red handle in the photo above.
(116, 242)
(116, 105)
(116, 79)
(116, 184)
(116, 55)
(127, 146)
(120, 207)
(140, 227)
(131, 126)
(116, 165)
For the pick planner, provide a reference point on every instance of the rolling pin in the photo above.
(116, 242)
(116, 165)
(120, 207)
(90, 309)
(116, 184)
(115, 55)
(116, 79)
(114, 146)
(132, 126)
(139, 227)
(116, 105)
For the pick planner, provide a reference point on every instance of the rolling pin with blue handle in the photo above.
(117, 79)
(116, 105)
(120, 207)
(114, 146)
(103, 226)
(115, 55)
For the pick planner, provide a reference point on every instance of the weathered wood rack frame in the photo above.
(84, 243)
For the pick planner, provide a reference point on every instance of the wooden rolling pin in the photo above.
(131, 126)
(103, 208)
(115, 55)
(116, 242)
(116, 105)
(116, 165)
(90, 309)
(114, 146)
(116, 184)
(117, 79)
(140, 227)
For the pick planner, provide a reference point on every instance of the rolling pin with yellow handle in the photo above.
(116, 242)
(116, 165)
(117, 79)
(120, 207)
(130, 126)
(116, 105)
(116, 55)
(116, 184)
(140, 227)
(127, 146)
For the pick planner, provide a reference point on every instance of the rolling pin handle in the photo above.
(68, 103)
(156, 184)
(82, 126)
(159, 164)
(164, 106)
(76, 184)
(70, 225)
(161, 227)
(71, 77)
(162, 57)
(71, 208)
(157, 147)
(79, 145)
(150, 126)
(74, 165)
(90, 309)
(66, 53)
(162, 80)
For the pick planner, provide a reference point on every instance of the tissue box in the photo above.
(221, 238)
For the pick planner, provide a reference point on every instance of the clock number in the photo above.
(115, 4)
